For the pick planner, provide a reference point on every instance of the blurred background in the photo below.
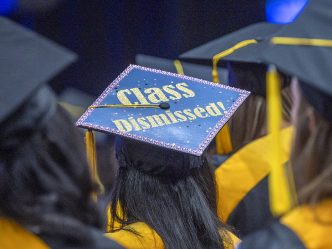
(108, 34)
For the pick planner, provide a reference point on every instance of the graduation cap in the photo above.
(176, 66)
(242, 46)
(223, 140)
(162, 109)
(27, 61)
(303, 49)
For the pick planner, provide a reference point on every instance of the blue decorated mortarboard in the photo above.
(165, 109)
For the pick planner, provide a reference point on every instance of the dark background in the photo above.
(108, 34)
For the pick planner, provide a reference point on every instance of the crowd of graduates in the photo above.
(245, 163)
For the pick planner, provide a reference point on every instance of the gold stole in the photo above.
(148, 238)
(243, 170)
(312, 224)
(14, 236)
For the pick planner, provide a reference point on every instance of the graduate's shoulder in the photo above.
(96, 240)
(276, 236)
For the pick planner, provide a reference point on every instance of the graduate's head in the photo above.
(44, 178)
(173, 192)
(163, 123)
(252, 77)
(303, 49)
(156, 160)
(240, 52)
(311, 157)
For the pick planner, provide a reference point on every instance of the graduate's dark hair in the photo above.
(311, 157)
(182, 211)
(45, 183)
(252, 77)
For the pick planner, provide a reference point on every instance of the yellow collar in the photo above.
(247, 166)
(14, 236)
(312, 224)
(148, 238)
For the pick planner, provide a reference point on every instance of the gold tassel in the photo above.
(90, 146)
(223, 138)
(178, 66)
(216, 58)
(281, 199)
(223, 141)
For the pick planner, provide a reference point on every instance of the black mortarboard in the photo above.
(27, 60)
(304, 49)
(243, 48)
(175, 66)
(163, 114)
(242, 45)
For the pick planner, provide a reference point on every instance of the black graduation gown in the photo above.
(242, 186)
(305, 227)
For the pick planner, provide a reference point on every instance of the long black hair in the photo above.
(181, 210)
(45, 183)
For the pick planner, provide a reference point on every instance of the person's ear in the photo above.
(311, 119)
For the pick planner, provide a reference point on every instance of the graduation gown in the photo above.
(148, 238)
(242, 188)
(14, 236)
(305, 227)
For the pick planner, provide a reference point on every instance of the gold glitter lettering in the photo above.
(221, 105)
(121, 94)
(145, 125)
(172, 117)
(155, 95)
(134, 124)
(174, 94)
(213, 110)
(179, 115)
(189, 114)
(122, 125)
(158, 120)
(139, 96)
(184, 88)
(199, 112)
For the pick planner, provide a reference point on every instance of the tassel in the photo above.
(90, 146)
(223, 141)
(216, 58)
(178, 66)
(223, 138)
(281, 199)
